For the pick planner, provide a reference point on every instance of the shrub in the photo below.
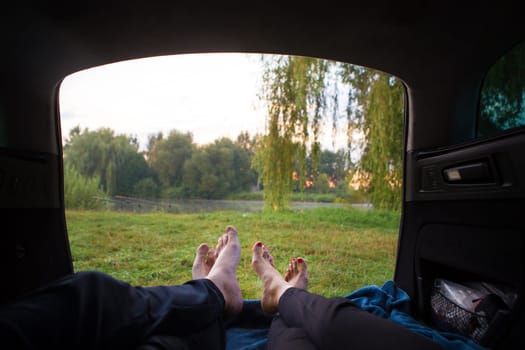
(81, 192)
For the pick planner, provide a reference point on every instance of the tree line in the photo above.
(172, 166)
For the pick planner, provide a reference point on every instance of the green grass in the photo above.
(345, 248)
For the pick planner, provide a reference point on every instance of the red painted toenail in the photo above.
(259, 244)
(300, 260)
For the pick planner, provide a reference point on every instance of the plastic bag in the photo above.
(461, 295)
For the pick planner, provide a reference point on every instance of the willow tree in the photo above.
(298, 91)
(376, 109)
(294, 89)
(382, 158)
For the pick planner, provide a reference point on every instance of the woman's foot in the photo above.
(297, 274)
(273, 283)
(223, 271)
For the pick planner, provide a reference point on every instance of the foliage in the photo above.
(314, 197)
(354, 196)
(199, 179)
(321, 184)
(133, 174)
(375, 109)
(172, 192)
(184, 169)
(297, 92)
(214, 171)
(381, 161)
(146, 188)
(275, 169)
(345, 248)
(334, 164)
(166, 156)
(247, 196)
(294, 90)
(114, 159)
(502, 104)
(218, 169)
(247, 142)
(81, 192)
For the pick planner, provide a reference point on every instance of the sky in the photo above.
(209, 95)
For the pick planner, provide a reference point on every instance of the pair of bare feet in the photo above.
(220, 266)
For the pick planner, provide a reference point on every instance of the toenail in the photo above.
(300, 260)
(259, 244)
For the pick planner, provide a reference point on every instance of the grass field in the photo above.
(345, 248)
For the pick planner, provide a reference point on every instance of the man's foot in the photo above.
(273, 284)
(223, 271)
(297, 274)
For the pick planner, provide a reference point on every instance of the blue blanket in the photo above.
(389, 302)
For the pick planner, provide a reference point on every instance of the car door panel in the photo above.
(34, 244)
(466, 230)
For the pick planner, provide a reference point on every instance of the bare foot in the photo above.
(222, 273)
(297, 274)
(273, 284)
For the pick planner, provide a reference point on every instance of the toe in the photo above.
(301, 265)
(221, 242)
(257, 250)
(211, 257)
(202, 250)
(231, 231)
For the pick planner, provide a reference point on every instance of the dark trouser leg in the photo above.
(283, 337)
(94, 311)
(336, 323)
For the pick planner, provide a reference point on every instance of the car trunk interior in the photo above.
(468, 230)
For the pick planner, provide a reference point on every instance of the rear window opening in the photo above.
(161, 154)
